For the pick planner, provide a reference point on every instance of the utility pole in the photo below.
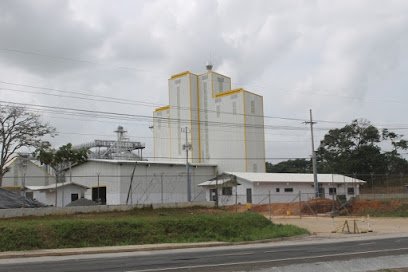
(187, 147)
(316, 185)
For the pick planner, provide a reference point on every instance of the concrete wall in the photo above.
(9, 213)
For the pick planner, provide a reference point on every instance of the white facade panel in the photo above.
(254, 133)
(161, 134)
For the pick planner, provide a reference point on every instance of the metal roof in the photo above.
(149, 162)
(52, 186)
(294, 178)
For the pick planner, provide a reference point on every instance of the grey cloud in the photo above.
(298, 54)
(49, 29)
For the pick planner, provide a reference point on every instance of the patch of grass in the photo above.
(138, 227)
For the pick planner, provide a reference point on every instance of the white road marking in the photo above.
(234, 254)
(269, 261)
(364, 244)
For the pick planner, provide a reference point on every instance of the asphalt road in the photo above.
(233, 258)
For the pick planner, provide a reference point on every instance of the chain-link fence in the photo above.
(172, 188)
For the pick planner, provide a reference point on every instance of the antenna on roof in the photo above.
(209, 66)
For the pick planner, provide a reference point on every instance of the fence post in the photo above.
(216, 191)
(161, 188)
(300, 204)
(270, 208)
(236, 198)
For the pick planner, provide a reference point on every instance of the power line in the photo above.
(168, 138)
(109, 99)
(69, 59)
(121, 116)
(122, 101)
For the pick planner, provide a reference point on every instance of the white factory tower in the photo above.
(225, 127)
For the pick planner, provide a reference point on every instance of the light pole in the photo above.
(187, 147)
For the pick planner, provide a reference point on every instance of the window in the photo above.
(332, 191)
(220, 83)
(218, 111)
(350, 190)
(277, 190)
(226, 190)
(288, 190)
(74, 197)
(234, 108)
(255, 167)
(29, 195)
(252, 106)
(213, 194)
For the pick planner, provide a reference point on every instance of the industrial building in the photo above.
(23, 169)
(224, 126)
(115, 182)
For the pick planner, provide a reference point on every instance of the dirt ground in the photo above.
(325, 226)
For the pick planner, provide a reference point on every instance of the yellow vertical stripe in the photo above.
(199, 119)
(245, 132)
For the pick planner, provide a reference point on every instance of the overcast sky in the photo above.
(343, 59)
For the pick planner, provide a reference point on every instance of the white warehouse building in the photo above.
(115, 182)
(243, 188)
(225, 127)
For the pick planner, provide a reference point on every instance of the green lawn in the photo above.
(138, 227)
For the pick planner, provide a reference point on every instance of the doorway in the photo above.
(99, 195)
(249, 195)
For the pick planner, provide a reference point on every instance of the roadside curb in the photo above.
(99, 250)
(132, 248)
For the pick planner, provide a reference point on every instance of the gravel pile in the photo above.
(11, 200)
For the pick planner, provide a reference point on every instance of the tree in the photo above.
(19, 128)
(355, 148)
(290, 166)
(61, 159)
